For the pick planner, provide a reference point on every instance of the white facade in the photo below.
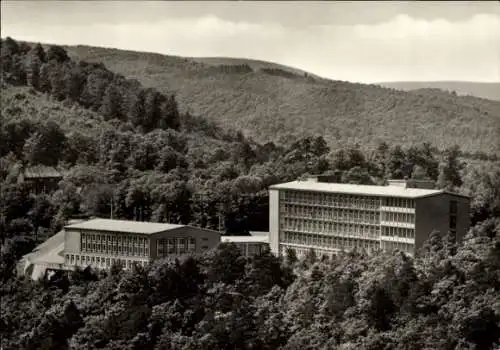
(330, 217)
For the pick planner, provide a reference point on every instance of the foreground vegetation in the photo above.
(448, 299)
(132, 151)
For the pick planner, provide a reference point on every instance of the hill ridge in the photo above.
(485, 90)
(268, 107)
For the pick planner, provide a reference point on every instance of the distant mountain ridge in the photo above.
(489, 91)
(271, 102)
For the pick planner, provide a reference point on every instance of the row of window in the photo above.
(175, 245)
(361, 230)
(371, 217)
(100, 262)
(335, 242)
(301, 252)
(330, 199)
(398, 217)
(403, 247)
(114, 244)
(398, 232)
(250, 249)
(387, 246)
(398, 202)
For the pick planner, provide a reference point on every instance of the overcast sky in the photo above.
(358, 41)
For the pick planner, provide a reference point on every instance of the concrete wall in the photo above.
(433, 214)
(274, 220)
(463, 215)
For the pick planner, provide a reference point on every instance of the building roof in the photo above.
(367, 190)
(124, 226)
(49, 253)
(259, 233)
(41, 171)
(51, 243)
(245, 239)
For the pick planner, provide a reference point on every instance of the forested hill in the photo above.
(489, 91)
(281, 104)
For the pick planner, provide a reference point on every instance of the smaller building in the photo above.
(40, 178)
(251, 245)
(100, 243)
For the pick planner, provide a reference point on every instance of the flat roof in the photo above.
(244, 239)
(124, 226)
(259, 233)
(367, 190)
(51, 245)
(41, 171)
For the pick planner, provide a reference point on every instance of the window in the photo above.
(171, 246)
(453, 223)
(181, 245)
(160, 248)
(191, 244)
(453, 207)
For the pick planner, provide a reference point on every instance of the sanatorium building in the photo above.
(328, 217)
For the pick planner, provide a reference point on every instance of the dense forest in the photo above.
(286, 107)
(490, 91)
(134, 152)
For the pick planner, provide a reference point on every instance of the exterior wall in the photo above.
(72, 241)
(101, 249)
(463, 216)
(328, 222)
(274, 220)
(203, 240)
(397, 224)
(105, 249)
(251, 248)
(434, 215)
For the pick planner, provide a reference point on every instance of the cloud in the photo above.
(403, 48)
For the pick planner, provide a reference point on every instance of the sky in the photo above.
(355, 41)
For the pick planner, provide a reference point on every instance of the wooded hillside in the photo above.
(284, 107)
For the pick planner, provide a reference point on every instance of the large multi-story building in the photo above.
(102, 242)
(329, 217)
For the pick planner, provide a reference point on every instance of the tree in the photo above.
(111, 103)
(39, 53)
(380, 309)
(291, 256)
(170, 114)
(46, 146)
(41, 214)
(33, 66)
(94, 93)
(57, 83)
(58, 54)
(396, 161)
(226, 265)
(74, 80)
(418, 173)
(44, 80)
(357, 175)
(310, 257)
(449, 170)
